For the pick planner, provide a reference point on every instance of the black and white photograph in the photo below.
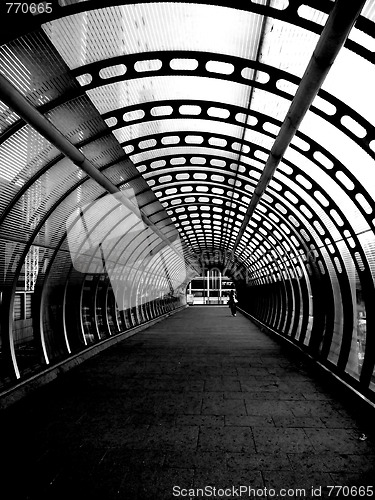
(187, 249)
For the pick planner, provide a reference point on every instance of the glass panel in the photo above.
(356, 86)
(133, 132)
(22, 155)
(140, 90)
(270, 104)
(130, 29)
(314, 15)
(295, 44)
(338, 310)
(368, 10)
(32, 66)
(7, 117)
(367, 241)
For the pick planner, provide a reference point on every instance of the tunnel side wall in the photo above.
(315, 320)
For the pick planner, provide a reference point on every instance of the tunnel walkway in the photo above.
(199, 399)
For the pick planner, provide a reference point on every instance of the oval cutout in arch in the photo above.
(148, 65)
(179, 64)
(219, 67)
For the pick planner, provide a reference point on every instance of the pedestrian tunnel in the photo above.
(143, 145)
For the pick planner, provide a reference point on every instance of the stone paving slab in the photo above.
(199, 400)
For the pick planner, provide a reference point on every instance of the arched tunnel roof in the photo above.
(175, 108)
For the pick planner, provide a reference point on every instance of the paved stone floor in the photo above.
(199, 400)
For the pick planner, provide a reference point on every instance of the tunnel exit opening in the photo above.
(211, 288)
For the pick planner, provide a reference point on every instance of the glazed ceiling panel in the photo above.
(136, 92)
(23, 62)
(369, 10)
(22, 155)
(294, 43)
(7, 117)
(270, 104)
(349, 70)
(172, 126)
(131, 29)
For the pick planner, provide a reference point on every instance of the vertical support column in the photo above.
(208, 287)
(81, 317)
(219, 298)
(6, 322)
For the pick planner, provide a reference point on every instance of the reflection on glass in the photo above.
(109, 236)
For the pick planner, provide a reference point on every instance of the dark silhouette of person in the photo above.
(232, 302)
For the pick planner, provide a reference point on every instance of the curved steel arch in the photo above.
(331, 173)
(274, 75)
